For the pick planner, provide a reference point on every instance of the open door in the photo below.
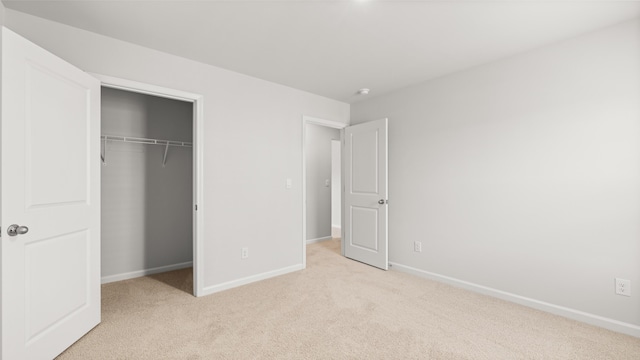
(365, 198)
(50, 194)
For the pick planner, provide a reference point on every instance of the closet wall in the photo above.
(146, 208)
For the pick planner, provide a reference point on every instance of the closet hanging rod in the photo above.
(137, 140)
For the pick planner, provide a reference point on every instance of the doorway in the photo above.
(321, 191)
(336, 188)
(150, 152)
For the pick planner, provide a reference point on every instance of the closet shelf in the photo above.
(146, 141)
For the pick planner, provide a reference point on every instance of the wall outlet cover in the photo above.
(623, 287)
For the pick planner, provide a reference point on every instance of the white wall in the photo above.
(336, 187)
(252, 136)
(523, 175)
(146, 207)
(318, 152)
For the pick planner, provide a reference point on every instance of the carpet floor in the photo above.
(335, 309)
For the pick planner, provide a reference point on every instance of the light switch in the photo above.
(327, 183)
(289, 184)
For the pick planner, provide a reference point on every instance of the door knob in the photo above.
(382, 201)
(16, 229)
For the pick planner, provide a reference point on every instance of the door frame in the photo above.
(198, 151)
(310, 120)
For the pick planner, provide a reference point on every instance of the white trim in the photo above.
(322, 122)
(198, 165)
(139, 273)
(320, 239)
(607, 323)
(250, 279)
(142, 88)
(336, 231)
(198, 196)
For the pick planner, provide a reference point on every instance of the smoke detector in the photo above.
(363, 91)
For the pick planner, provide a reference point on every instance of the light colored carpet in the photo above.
(335, 309)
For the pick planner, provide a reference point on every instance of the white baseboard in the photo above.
(336, 231)
(607, 323)
(139, 273)
(249, 279)
(311, 241)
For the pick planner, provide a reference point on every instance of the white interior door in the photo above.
(50, 184)
(365, 167)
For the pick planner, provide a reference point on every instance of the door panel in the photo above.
(365, 235)
(50, 182)
(365, 164)
(55, 289)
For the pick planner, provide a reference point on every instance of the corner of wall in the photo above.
(1, 13)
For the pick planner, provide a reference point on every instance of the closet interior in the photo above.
(147, 184)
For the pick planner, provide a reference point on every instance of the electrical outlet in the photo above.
(245, 253)
(417, 246)
(623, 287)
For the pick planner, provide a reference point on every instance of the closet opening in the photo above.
(149, 186)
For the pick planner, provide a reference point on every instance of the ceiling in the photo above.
(334, 48)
